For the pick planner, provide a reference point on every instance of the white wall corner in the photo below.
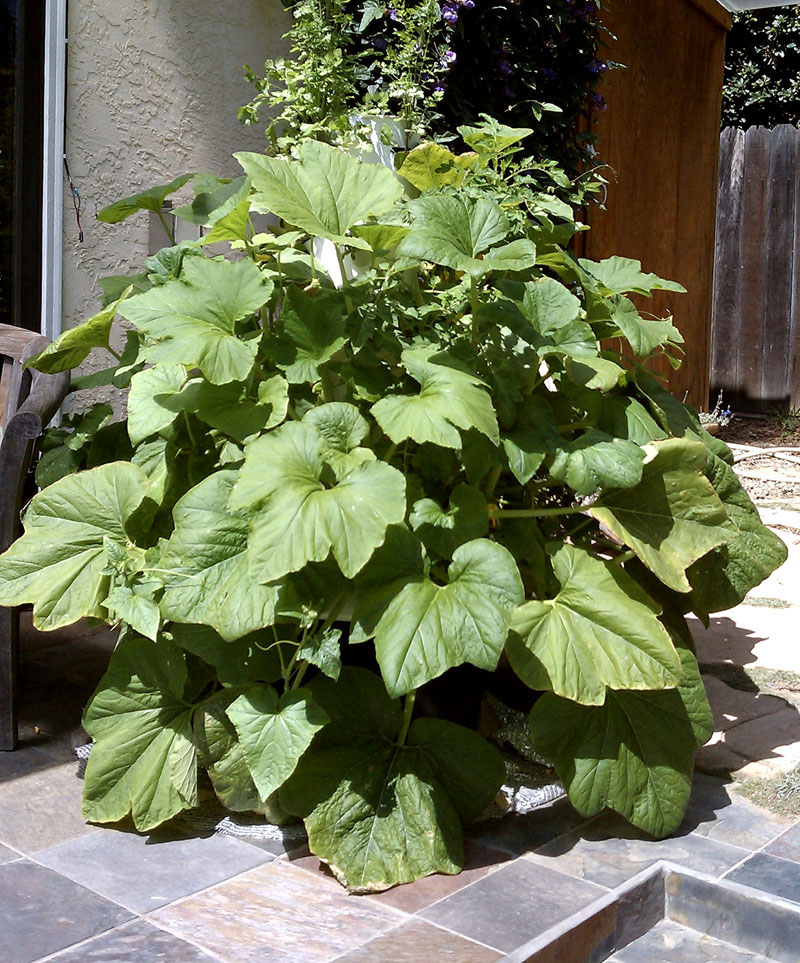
(55, 63)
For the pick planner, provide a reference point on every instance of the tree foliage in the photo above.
(762, 69)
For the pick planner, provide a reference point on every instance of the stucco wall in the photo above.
(152, 92)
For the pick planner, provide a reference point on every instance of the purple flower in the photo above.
(547, 73)
(598, 67)
(441, 86)
(509, 92)
(379, 43)
(450, 13)
(394, 15)
(449, 58)
(505, 68)
(467, 4)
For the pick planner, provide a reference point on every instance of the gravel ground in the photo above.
(766, 478)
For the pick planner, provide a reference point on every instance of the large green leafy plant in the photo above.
(332, 499)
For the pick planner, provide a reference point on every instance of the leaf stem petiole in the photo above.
(533, 512)
(408, 710)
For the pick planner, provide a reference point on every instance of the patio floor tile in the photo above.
(6, 854)
(42, 809)
(41, 912)
(513, 905)
(279, 914)
(609, 852)
(718, 813)
(781, 877)
(143, 872)
(478, 862)
(520, 833)
(136, 942)
(787, 845)
(417, 942)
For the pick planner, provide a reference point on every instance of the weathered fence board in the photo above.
(756, 305)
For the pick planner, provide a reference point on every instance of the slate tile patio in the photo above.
(71, 893)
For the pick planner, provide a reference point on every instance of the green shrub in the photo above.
(335, 495)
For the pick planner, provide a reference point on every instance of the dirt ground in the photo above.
(772, 476)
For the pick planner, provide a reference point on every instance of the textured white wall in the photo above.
(152, 92)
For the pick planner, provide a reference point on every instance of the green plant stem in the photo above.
(623, 557)
(300, 673)
(492, 480)
(114, 353)
(345, 282)
(192, 439)
(167, 229)
(408, 710)
(390, 453)
(474, 304)
(533, 512)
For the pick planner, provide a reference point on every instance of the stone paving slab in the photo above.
(42, 809)
(513, 905)
(136, 942)
(669, 942)
(276, 914)
(751, 635)
(771, 874)
(42, 912)
(608, 853)
(419, 942)
(142, 873)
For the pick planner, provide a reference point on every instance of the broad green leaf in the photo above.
(382, 238)
(449, 399)
(429, 628)
(232, 227)
(215, 198)
(692, 690)
(453, 230)
(494, 137)
(634, 754)
(377, 813)
(341, 424)
(210, 580)
(72, 347)
(149, 200)
(596, 460)
(192, 320)
(230, 407)
(600, 630)
(323, 192)
(601, 373)
(166, 264)
(549, 305)
(519, 255)
(59, 563)
(140, 612)
(313, 330)
(644, 335)
(298, 514)
(252, 658)
(431, 166)
(142, 760)
(721, 579)
(673, 516)
(274, 733)
(527, 445)
(399, 561)
(626, 417)
(324, 651)
(624, 275)
(443, 531)
(221, 755)
(151, 389)
(156, 458)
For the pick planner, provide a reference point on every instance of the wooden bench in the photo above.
(28, 400)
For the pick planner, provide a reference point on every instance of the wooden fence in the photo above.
(755, 326)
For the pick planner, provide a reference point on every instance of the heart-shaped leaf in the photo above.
(143, 760)
(149, 200)
(428, 628)
(298, 514)
(449, 399)
(206, 556)
(192, 320)
(60, 563)
(600, 630)
(324, 192)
